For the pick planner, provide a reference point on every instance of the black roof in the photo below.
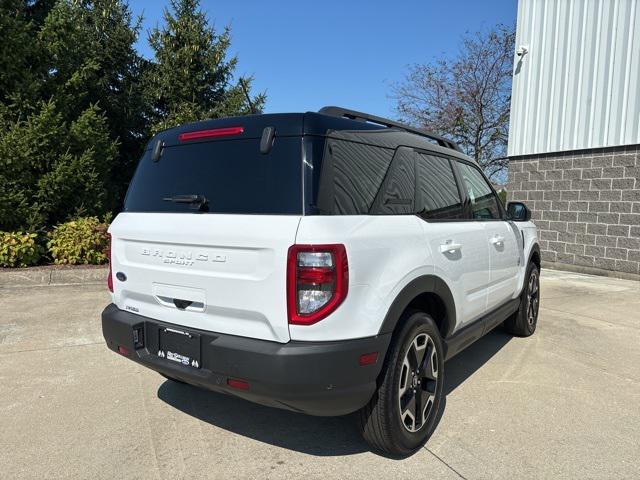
(327, 123)
(368, 118)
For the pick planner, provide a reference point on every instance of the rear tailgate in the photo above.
(222, 273)
(217, 263)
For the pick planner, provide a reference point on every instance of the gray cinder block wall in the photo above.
(586, 205)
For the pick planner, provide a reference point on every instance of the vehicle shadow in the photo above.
(467, 362)
(318, 436)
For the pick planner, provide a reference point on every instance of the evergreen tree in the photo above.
(77, 102)
(67, 140)
(90, 46)
(19, 55)
(37, 10)
(53, 170)
(192, 77)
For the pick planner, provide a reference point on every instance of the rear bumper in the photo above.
(317, 378)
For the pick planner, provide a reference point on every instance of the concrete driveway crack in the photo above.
(446, 464)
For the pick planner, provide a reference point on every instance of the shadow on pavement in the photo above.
(465, 364)
(319, 436)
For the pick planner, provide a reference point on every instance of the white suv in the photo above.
(324, 262)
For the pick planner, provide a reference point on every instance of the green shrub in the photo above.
(18, 249)
(80, 241)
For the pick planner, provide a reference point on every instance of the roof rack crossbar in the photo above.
(365, 117)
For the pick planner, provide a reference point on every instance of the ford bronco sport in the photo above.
(325, 263)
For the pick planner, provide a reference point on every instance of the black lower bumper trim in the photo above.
(318, 378)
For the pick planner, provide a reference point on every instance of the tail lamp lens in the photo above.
(110, 277)
(317, 281)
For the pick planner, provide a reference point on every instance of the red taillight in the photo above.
(315, 275)
(238, 384)
(123, 351)
(211, 133)
(110, 277)
(317, 281)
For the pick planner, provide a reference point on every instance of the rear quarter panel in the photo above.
(384, 253)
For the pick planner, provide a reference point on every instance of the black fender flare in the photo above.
(535, 248)
(418, 286)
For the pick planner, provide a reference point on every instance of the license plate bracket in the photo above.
(179, 346)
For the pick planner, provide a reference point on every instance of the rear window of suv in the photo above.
(232, 175)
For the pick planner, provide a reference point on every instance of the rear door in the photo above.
(220, 265)
(458, 247)
(500, 236)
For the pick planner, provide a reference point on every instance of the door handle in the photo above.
(450, 247)
(497, 240)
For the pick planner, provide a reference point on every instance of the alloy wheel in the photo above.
(533, 297)
(418, 382)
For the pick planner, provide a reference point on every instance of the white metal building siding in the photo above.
(578, 86)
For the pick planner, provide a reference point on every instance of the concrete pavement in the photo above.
(561, 404)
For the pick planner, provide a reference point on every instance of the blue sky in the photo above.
(306, 55)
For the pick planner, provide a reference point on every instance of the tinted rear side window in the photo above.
(437, 193)
(232, 175)
(352, 174)
(396, 196)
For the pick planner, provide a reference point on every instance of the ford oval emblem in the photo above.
(121, 276)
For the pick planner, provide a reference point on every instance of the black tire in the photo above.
(381, 421)
(523, 323)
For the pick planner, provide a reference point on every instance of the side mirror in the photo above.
(518, 212)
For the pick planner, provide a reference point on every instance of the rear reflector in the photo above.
(238, 384)
(212, 133)
(368, 358)
(123, 351)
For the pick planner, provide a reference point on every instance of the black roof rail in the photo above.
(365, 117)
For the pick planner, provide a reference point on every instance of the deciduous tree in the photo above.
(466, 98)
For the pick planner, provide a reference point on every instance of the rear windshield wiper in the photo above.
(199, 201)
